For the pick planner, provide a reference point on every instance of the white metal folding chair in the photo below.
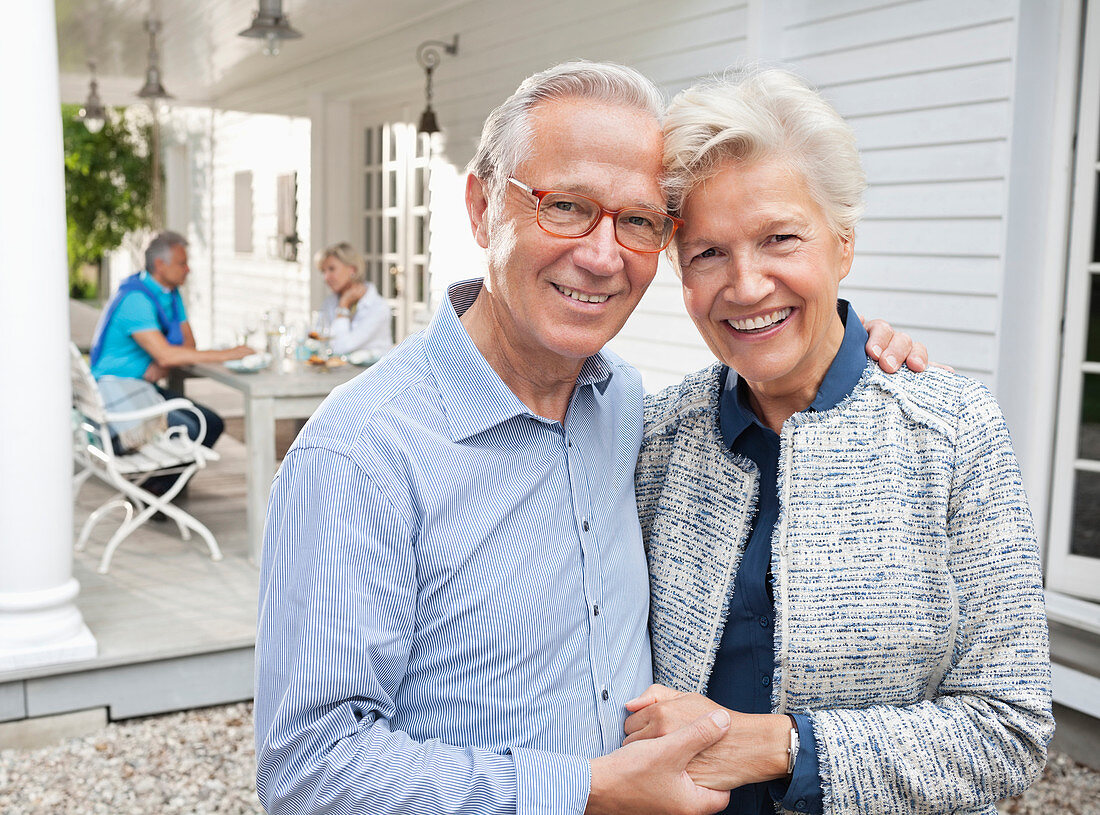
(171, 452)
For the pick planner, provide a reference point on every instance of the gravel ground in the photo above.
(201, 762)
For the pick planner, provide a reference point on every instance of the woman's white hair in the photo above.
(346, 254)
(506, 136)
(757, 113)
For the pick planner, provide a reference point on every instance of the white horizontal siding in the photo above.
(944, 88)
(927, 85)
(931, 275)
(974, 199)
(972, 237)
(882, 22)
(915, 55)
(965, 161)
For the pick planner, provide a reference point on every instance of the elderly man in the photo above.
(454, 594)
(144, 331)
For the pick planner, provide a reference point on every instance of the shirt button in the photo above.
(764, 621)
(584, 524)
(765, 680)
(596, 610)
(568, 442)
(605, 695)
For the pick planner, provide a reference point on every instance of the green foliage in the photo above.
(108, 185)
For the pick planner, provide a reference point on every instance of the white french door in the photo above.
(1073, 563)
(395, 220)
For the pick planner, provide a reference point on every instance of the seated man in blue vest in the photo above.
(144, 332)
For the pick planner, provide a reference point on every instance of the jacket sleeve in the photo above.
(338, 607)
(983, 735)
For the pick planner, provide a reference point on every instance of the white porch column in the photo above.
(39, 622)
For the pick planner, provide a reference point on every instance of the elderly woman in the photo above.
(843, 559)
(358, 317)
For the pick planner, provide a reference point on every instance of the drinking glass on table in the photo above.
(320, 335)
(248, 327)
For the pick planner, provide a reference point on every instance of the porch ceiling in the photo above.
(204, 62)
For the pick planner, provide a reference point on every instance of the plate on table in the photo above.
(250, 364)
(319, 363)
(364, 359)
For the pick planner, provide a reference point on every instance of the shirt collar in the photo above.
(734, 413)
(474, 396)
(848, 364)
(148, 278)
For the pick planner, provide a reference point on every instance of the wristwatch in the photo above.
(792, 749)
(343, 312)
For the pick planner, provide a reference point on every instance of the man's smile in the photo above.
(580, 296)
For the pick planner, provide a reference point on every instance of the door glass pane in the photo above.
(419, 187)
(368, 245)
(1086, 515)
(420, 281)
(391, 246)
(367, 200)
(1088, 436)
(392, 200)
(1096, 224)
(420, 233)
(1092, 350)
(368, 147)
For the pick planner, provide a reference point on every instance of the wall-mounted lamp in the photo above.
(270, 25)
(153, 89)
(428, 54)
(93, 114)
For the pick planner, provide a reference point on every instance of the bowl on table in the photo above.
(363, 358)
(250, 364)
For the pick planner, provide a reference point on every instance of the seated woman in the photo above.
(358, 317)
(825, 540)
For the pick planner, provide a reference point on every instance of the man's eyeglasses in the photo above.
(568, 215)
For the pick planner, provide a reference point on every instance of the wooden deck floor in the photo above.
(163, 595)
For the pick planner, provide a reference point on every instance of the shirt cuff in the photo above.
(803, 793)
(550, 783)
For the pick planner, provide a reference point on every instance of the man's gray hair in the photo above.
(755, 114)
(506, 137)
(161, 247)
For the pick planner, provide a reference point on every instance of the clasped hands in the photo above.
(753, 749)
(682, 755)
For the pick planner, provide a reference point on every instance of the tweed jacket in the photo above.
(910, 622)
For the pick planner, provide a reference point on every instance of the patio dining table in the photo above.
(293, 392)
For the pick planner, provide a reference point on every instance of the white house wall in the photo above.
(246, 284)
(227, 289)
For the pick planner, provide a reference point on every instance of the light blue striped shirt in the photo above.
(454, 595)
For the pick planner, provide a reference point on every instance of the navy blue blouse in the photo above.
(745, 663)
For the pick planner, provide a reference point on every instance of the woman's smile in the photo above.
(759, 324)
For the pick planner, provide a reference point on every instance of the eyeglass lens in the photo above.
(571, 216)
